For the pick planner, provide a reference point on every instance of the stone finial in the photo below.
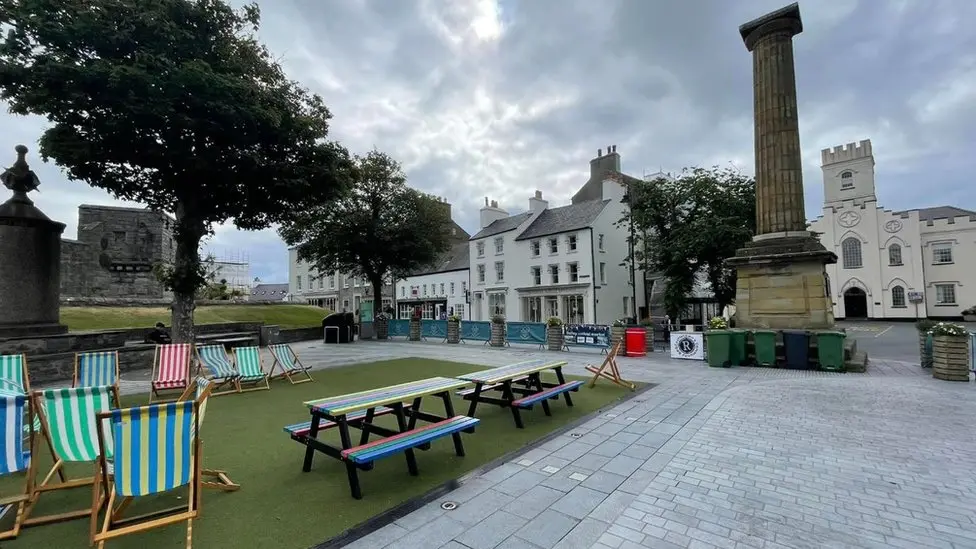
(19, 178)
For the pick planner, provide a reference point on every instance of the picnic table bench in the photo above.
(358, 410)
(521, 387)
(232, 339)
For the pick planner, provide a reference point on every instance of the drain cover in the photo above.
(575, 435)
(449, 506)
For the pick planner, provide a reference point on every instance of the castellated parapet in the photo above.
(845, 153)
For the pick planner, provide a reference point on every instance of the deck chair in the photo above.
(15, 457)
(214, 360)
(200, 391)
(171, 369)
(146, 451)
(98, 369)
(614, 374)
(15, 380)
(68, 422)
(249, 367)
(287, 361)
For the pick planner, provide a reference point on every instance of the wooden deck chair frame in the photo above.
(285, 371)
(104, 492)
(254, 384)
(76, 380)
(58, 467)
(21, 500)
(216, 382)
(614, 374)
(155, 394)
(35, 419)
(221, 481)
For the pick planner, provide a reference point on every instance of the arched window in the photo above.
(898, 296)
(847, 180)
(894, 254)
(851, 253)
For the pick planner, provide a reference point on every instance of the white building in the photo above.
(308, 286)
(440, 291)
(908, 264)
(556, 262)
(237, 273)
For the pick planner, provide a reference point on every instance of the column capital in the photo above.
(783, 19)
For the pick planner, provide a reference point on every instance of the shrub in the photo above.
(382, 316)
(554, 321)
(970, 311)
(498, 319)
(619, 322)
(949, 329)
(454, 318)
(924, 325)
(717, 323)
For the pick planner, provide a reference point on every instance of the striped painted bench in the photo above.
(551, 392)
(299, 431)
(367, 453)
(466, 392)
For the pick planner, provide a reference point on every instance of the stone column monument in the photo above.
(30, 259)
(782, 282)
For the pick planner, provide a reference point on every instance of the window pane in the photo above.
(898, 296)
(851, 252)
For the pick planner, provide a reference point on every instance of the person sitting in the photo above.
(159, 335)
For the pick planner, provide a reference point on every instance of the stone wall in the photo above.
(151, 302)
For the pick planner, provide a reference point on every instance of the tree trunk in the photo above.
(183, 306)
(187, 278)
(377, 297)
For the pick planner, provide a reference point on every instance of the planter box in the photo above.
(617, 335)
(924, 354)
(649, 341)
(950, 358)
(969, 318)
(554, 338)
(414, 334)
(497, 334)
(453, 331)
(382, 328)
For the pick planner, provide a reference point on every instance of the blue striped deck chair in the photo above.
(249, 367)
(200, 390)
(68, 422)
(214, 361)
(15, 380)
(287, 361)
(154, 451)
(98, 369)
(15, 458)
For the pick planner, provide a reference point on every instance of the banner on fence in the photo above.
(475, 330)
(398, 327)
(588, 335)
(434, 329)
(526, 332)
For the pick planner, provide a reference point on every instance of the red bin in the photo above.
(636, 341)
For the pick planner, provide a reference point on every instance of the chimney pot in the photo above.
(538, 194)
(599, 153)
(608, 149)
(486, 201)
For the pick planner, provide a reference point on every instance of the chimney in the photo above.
(537, 204)
(491, 213)
(604, 164)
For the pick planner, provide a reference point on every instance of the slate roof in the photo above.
(455, 259)
(269, 292)
(941, 212)
(500, 226)
(564, 219)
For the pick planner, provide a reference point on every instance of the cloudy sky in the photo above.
(499, 98)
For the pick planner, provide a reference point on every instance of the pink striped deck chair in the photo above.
(171, 370)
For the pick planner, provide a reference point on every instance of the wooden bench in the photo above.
(300, 431)
(465, 392)
(552, 392)
(372, 451)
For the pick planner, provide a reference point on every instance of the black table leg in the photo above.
(364, 438)
(478, 387)
(402, 424)
(309, 449)
(449, 410)
(509, 395)
(562, 380)
(351, 471)
(536, 381)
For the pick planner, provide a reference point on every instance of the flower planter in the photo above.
(924, 350)
(617, 334)
(555, 338)
(382, 328)
(497, 334)
(649, 341)
(969, 318)
(414, 330)
(453, 331)
(950, 358)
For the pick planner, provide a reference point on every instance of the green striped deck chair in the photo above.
(287, 361)
(98, 369)
(15, 458)
(214, 361)
(68, 422)
(155, 451)
(200, 390)
(249, 367)
(14, 380)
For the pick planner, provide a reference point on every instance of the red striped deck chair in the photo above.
(171, 369)
(200, 391)
(15, 458)
(251, 370)
(287, 361)
(98, 369)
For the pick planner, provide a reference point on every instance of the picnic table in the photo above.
(520, 385)
(358, 410)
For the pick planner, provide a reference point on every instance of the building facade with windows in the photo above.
(439, 291)
(891, 264)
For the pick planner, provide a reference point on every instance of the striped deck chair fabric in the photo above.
(153, 448)
(69, 415)
(172, 367)
(286, 359)
(214, 359)
(97, 369)
(249, 367)
(12, 374)
(14, 454)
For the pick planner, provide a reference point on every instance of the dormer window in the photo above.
(847, 180)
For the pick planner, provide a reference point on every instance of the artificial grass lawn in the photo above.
(279, 506)
(106, 318)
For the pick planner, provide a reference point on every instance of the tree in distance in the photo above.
(380, 229)
(176, 105)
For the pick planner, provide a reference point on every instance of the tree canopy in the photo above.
(381, 228)
(174, 104)
(691, 224)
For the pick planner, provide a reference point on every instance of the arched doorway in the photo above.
(855, 303)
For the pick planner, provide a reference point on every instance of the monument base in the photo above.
(782, 283)
(30, 330)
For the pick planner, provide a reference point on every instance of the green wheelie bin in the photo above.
(717, 343)
(765, 343)
(737, 347)
(830, 351)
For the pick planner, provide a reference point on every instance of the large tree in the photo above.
(174, 104)
(692, 224)
(381, 229)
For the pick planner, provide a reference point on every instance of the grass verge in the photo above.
(107, 318)
(278, 505)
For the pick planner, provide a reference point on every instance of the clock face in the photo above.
(849, 219)
(893, 226)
